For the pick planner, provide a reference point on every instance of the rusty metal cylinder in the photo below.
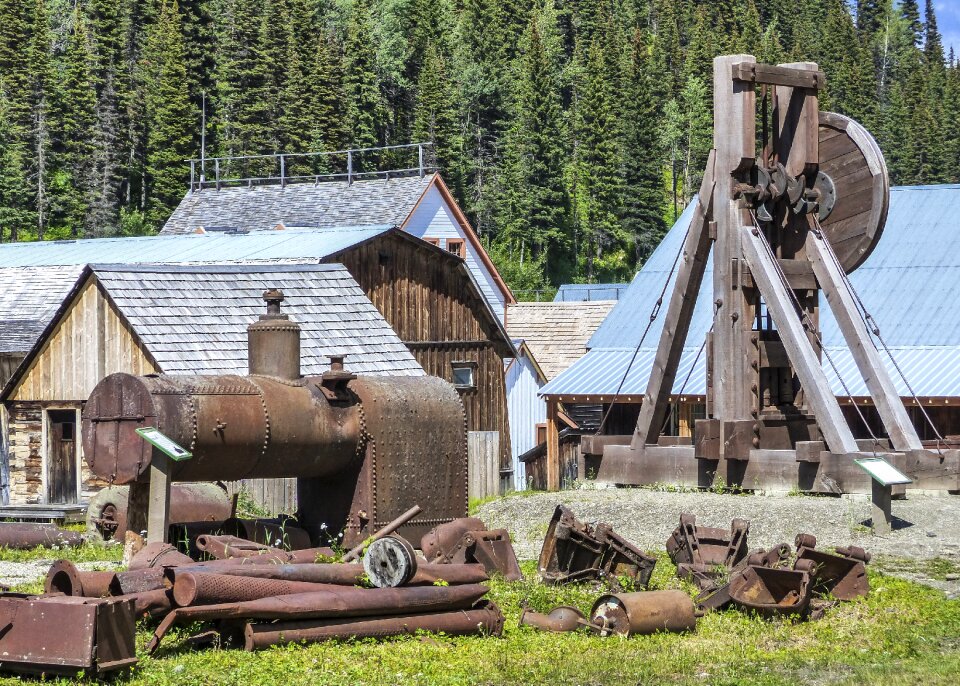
(273, 341)
(484, 619)
(560, 618)
(236, 427)
(192, 588)
(64, 577)
(340, 574)
(20, 535)
(645, 612)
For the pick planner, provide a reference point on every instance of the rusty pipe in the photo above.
(349, 574)
(484, 619)
(64, 577)
(560, 618)
(193, 588)
(645, 612)
(386, 530)
(341, 602)
(155, 604)
(278, 533)
(22, 536)
(158, 555)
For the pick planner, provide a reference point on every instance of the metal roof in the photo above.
(298, 245)
(193, 320)
(325, 204)
(579, 292)
(907, 284)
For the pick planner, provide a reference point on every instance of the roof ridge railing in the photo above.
(284, 168)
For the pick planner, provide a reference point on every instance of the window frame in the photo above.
(461, 247)
(470, 365)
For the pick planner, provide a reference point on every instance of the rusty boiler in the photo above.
(363, 449)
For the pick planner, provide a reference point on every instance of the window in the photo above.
(541, 436)
(433, 241)
(455, 245)
(464, 375)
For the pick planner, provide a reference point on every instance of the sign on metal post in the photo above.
(167, 446)
(883, 472)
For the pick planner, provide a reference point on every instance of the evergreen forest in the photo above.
(572, 132)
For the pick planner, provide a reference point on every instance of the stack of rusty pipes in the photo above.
(273, 423)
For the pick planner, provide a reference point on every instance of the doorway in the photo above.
(62, 457)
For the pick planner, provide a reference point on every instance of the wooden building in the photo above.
(906, 284)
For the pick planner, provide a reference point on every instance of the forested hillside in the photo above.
(571, 131)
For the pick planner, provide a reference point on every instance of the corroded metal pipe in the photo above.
(22, 536)
(484, 619)
(645, 612)
(277, 533)
(341, 602)
(386, 530)
(139, 581)
(158, 555)
(194, 588)
(64, 577)
(341, 574)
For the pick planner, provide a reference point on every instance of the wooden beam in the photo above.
(158, 514)
(778, 76)
(553, 448)
(886, 398)
(676, 323)
(817, 389)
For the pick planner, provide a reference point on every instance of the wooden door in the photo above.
(61, 456)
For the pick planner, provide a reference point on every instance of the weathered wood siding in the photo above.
(90, 343)
(483, 449)
(431, 304)
(8, 364)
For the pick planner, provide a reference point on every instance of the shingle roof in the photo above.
(193, 320)
(29, 297)
(326, 204)
(556, 333)
(908, 284)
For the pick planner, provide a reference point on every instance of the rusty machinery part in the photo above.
(850, 156)
(468, 540)
(842, 576)
(644, 612)
(184, 535)
(224, 547)
(484, 619)
(390, 562)
(702, 545)
(138, 581)
(64, 577)
(342, 602)
(274, 341)
(23, 536)
(154, 604)
(386, 530)
(573, 551)
(777, 556)
(237, 427)
(279, 532)
(414, 431)
(560, 619)
(189, 502)
(158, 555)
(196, 588)
(771, 591)
(100, 638)
(347, 574)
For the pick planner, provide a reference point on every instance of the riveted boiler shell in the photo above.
(850, 156)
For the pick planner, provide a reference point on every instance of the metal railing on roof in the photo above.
(284, 168)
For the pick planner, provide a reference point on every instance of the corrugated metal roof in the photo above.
(192, 248)
(29, 297)
(193, 320)
(327, 204)
(579, 292)
(907, 284)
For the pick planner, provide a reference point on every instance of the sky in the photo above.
(948, 21)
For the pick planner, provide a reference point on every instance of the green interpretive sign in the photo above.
(883, 472)
(164, 444)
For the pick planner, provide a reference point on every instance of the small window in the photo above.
(455, 245)
(464, 375)
(433, 241)
(541, 436)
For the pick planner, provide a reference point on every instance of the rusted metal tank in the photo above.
(189, 502)
(644, 612)
(559, 619)
(20, 535)
(64, 577)
(364, 449)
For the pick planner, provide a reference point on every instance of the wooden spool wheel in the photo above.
(850, 156)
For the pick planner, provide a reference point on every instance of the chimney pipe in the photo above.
(273, 341)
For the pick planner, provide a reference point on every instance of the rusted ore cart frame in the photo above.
(782, 227)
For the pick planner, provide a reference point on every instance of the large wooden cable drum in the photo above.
(850, 156)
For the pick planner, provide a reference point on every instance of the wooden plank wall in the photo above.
(483, 464)
(429, 301)
(8, 364)
(276, 496)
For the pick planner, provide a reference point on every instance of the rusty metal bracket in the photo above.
(842, 576)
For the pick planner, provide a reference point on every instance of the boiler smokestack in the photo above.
(273, 341)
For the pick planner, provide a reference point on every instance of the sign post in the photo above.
(883, 475)
(158, 510)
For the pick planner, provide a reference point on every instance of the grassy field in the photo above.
(903, 633)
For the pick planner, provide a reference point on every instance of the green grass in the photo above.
(88, 552)
(904, 633)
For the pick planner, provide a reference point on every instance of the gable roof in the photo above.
(556, 333)
(326, 204)
(193, 319)
(29, 297)
(907, 284)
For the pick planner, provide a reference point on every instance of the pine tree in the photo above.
(364, 109)
(435, 118)
(910, 11)
(41, 95)
(15, 71)
(951, 124)
(329, 131)
(168, 114)
(15, 219)
(643, 177)
(848, 66)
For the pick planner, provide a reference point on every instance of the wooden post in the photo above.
(734, 140)
(158, 514)
(553, 447)
(882, 516)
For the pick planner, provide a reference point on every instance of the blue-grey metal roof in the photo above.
(908, 284)
(578, 292)
(210, 247)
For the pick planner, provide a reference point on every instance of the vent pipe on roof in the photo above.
(273, 341)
